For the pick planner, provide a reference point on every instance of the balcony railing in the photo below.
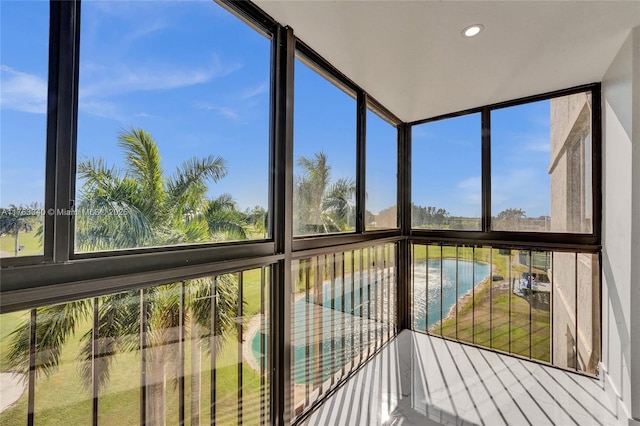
(344, 310)
(197, 351)
(541, 305)
(187, 352)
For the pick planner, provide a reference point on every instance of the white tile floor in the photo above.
(422, 380)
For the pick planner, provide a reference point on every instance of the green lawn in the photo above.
(8, 323)
(29, 240)
(62, 399)
(486, 321)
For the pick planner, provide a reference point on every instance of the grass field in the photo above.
(494, 317)
(489, 323)
(62, 398)
(29, 240)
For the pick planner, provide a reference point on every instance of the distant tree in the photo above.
(16, 219)
(224, 220)
(258, 217)
(511, 214)
(322, 205)
(428, 215)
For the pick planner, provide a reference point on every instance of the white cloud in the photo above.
(421, 132)
(538, 144)
(141, 31)
(99, 82)
(103, 81)
(143, 115)
(100, 109)
(473, 182)
(516, 141)
(21, 91)
(226, 112)
(470, 195)
(254, 91)
(525, 188)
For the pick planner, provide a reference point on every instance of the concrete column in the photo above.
(621, 230)
(635, 233)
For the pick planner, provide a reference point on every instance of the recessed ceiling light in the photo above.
(472, 30)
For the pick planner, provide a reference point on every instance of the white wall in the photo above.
(621, 229)
(635, 234)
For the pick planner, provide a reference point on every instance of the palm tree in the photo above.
(321, 206)
(119, 328)
(158, 211)
(224, 220)
(14, 220)
(259, 219)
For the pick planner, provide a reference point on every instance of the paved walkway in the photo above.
(11, 389)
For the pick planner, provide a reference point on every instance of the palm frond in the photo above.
(118, 331)
(109, 221)
(142, 157)
(339, 199)
(223, 217)
(188, 186)
(96, 175)
(54, 325)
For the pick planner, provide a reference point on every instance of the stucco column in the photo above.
(635, 233)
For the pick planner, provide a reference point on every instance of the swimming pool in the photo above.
(426, 293)
(329, 334)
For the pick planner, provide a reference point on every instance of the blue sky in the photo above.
(449, 153)
(448, 175)
(197, 78)
(520, 156)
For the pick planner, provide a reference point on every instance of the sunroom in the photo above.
(320, 213)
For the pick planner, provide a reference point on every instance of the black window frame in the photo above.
(590, 241)
(61, 145)
(384, 114)
(363, 101)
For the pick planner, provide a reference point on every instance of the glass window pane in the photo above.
(324, 155)
(588, 328)
(255, 362)
(204, 339)
(23, 109)
(541, 166)
(481, 316)
(14, 364)
(382, 173)
(564, 281)
(173, 126)
(446, 174)
(119, 363)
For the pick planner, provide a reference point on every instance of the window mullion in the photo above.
(64, 121)
(361, 160)
(486, 169)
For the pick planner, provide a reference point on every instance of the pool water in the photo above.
(470, 274)
(343, 321)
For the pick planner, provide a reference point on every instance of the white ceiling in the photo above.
(412, 58)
